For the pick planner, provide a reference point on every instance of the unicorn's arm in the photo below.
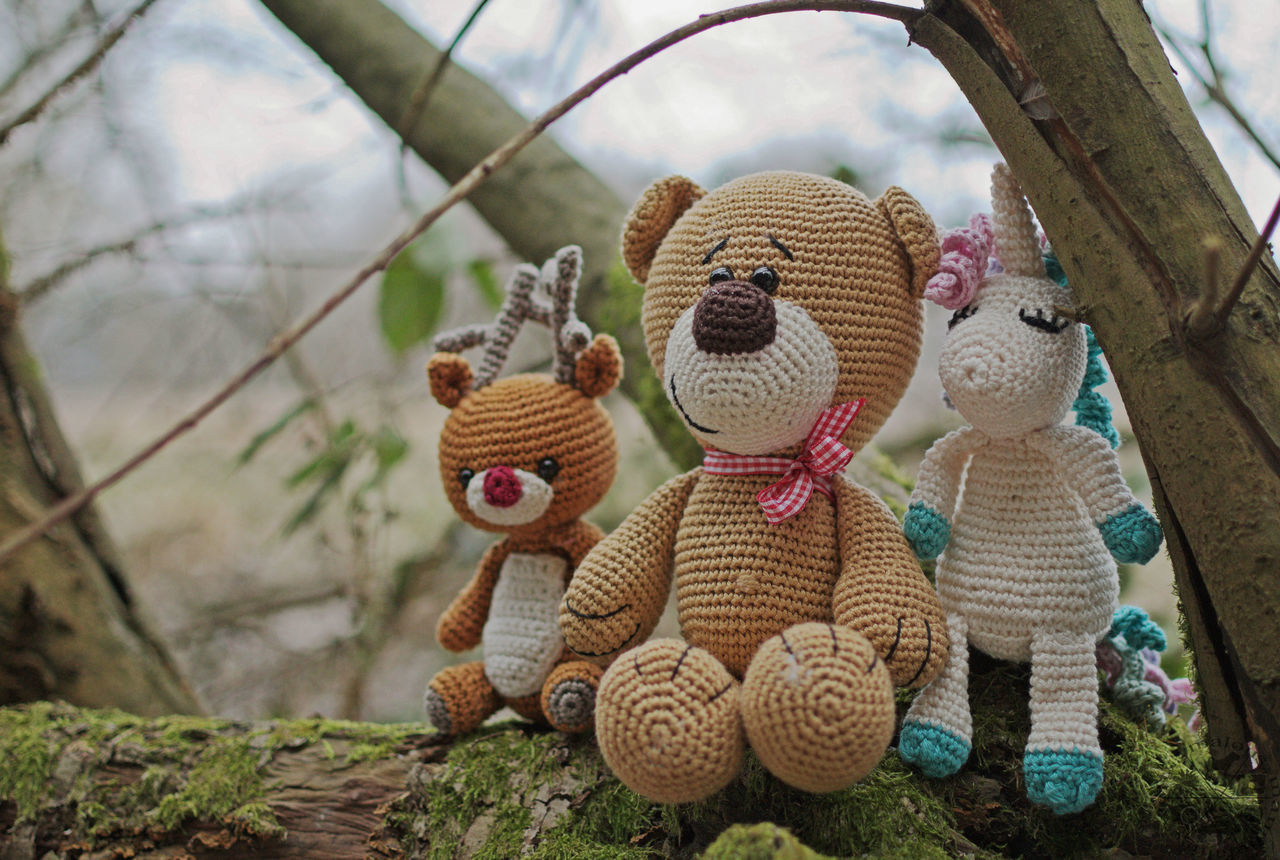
(928, 521)
(1090, 468)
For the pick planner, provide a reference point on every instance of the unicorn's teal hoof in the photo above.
(1066, 781)
(935, 751)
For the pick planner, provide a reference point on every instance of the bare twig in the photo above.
(1200, 321)
(88, 65)
(1250, 263)
(1207, 316)
(418, 100)
(458, 192)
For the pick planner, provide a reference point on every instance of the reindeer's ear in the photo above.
(657, 209)
(599, 367)
(916, 232)
(450, 377)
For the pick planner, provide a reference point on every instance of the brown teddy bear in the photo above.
(782, 313)
(526, 456)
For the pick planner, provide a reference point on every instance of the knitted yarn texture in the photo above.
(772, 305)
(525, 456)
(1027, 515)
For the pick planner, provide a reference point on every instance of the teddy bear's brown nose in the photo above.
(734, 317)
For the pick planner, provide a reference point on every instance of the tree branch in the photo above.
(458, 192)
(88, 65)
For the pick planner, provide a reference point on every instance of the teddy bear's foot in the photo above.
(818, 708)
(936, 751)
(1064, 780)
(667, 722)
(569, 696)
(460, 698)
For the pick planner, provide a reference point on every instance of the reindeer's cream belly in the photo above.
(1024, 557)
(522, 639)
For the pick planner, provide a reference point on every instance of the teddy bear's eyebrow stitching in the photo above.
(781, 247)
(712, 252)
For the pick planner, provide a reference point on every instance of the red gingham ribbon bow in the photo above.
(822, 457)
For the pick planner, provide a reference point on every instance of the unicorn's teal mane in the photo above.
(1091, 408)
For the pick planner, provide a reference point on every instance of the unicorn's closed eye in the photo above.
(1026, 512)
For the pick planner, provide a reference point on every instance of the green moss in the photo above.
(759, 842)
(224, 784)
(29, 757)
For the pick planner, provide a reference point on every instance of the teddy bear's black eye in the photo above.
(548, 468)
(724, 273)
(465, 476)
(766, 279)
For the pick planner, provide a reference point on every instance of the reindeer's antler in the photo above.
(559, 280)
(1015, 232)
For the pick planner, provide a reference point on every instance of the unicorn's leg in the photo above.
(937, 733)
(1063, 761)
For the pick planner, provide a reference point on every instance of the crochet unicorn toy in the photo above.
(1027, 513)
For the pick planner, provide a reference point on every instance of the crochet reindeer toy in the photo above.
(525, 456)
(1026, 513)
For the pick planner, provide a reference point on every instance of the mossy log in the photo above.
(104, 784)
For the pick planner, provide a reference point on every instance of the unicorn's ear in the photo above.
(450, 377)
(1017, 245)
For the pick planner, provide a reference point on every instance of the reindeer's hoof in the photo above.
(1066, 781)
(667, 722)
(934, 751)
(817, 704)
(569, 696)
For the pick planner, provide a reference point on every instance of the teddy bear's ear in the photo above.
(657, 209)
(599, 367)
(450, 377)
(917, 233)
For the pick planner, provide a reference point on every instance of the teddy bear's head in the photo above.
(776, 296)
(532, 451)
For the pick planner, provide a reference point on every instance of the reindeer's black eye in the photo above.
(548, 468)
(961, 315)
(1053, 324)
(766, 279)
(724, 273)
(465, 476)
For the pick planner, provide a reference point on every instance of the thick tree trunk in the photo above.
(92, 784)
(1127, 188)
(68, 626)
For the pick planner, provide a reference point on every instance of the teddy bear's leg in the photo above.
(569, 695)
(937, 733)
(459, 698)
(1063, 760)
(817, 704)
(667, 722)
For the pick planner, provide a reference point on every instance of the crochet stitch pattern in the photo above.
(527, 456)
(1026, 515)
(782, 314)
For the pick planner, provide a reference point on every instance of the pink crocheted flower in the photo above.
(965, 251)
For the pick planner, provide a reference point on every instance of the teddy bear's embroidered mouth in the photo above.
(676, 400)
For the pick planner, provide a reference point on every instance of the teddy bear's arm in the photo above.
(882, 592)
(1089, 467)
(620, 588)
(462, 623)
(933, 501)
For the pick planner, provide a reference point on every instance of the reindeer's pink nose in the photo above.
(501, 487)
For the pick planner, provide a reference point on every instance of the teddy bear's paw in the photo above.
(936, 751)
(817, 705)
(1064, 780)
(667, 722)
(460, 698)
(569, 696)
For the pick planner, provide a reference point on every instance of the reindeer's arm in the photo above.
(1090, 468)
(882, 592)
(462, 623)
(933, 501)
(620, 588)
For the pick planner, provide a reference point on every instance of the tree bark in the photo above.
(68, 625)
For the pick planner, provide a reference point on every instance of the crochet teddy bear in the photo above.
(525, 456)
(1026, 513)
(782, 313)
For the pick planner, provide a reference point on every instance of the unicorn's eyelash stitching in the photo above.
(961, 315)
(1054, 324)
